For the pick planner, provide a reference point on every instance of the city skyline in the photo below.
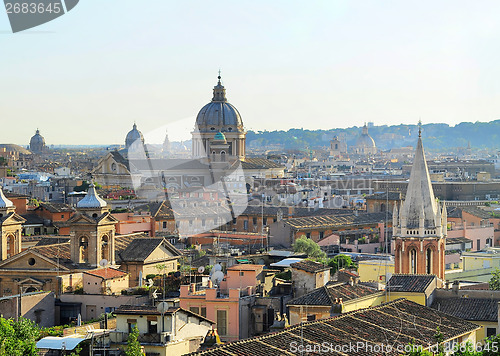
(340, 64)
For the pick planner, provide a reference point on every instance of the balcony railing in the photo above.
(153, 338)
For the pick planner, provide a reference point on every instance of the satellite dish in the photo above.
(217, 267)
(103, 262)
(201, 269)
(217, 277)
(162, 307)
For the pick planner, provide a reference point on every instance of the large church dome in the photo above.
(37, 143)
(219, 115)
(133, 136)
(365, 143)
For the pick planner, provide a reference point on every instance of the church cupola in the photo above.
(219, 92)
(92, 204)
(218, 116)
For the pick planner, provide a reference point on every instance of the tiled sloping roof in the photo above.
(473, 309)
(478, 212)
(415, 283)
(326, 295)
(259, 163)
(56, 207)
(139, 249)
(336, 221)
(395, 323)
(159, 210)
(32, 219)
(107, 273)
(456, 212)
(456, 240)
(453, 212)
(59, 253)
(120, 159)
(122, 241)
(45, 241)
(309, 266)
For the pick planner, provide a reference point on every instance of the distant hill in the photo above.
(436, 136)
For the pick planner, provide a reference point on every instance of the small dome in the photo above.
(219, 136)
(219, 114)
(133, 136)
(4, 202)
(91, 200)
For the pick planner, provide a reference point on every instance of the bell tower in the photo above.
(92, 231)
(420, 224)
(10, 228)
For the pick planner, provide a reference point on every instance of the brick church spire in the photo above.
(419, 227)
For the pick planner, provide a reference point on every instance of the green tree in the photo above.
(495, 280)
(339, 262)
(133, 345)
(77, 351)
(310, 248)
(18, 338)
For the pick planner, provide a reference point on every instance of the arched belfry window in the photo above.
(413, 261)
(105, 248)
(428, 261)
(84, 247)
(11, 243)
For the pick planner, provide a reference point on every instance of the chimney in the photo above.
(455, 286)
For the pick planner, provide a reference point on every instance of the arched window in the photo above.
(413, 261)
(84, 247)
(105, 247)
(11, 245)
(222, 156)
(428, 261)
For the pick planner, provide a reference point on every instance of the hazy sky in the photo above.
(87, 76)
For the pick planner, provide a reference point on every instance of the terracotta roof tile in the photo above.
(395, 323)
(310, 266)
(107, 273)
(473, 309)
(413, 283)
(326, 295)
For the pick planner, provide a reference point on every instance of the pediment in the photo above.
(81, 219)
(31, 281)
(13, 219)
(21, 261)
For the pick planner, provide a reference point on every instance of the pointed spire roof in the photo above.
(420, 198)
(4, 202)
(92, 200)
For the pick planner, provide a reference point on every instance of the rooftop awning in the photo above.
(59, 343)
